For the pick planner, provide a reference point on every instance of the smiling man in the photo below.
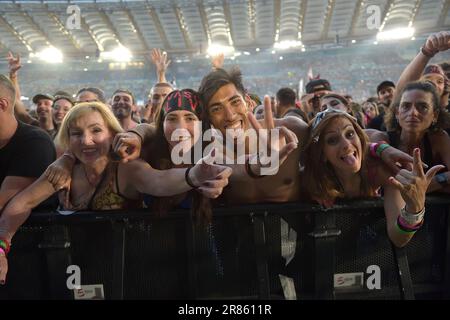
(44, 110)
(122, 107)
(223, 95)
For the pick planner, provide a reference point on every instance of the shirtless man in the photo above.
(226, 108)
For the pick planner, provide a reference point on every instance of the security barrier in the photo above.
(264, 251)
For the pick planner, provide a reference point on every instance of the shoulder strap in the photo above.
(97, 188)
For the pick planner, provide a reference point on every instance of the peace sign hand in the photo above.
(413, 184)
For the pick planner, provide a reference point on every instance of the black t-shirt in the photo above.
(29, 152)
(377, 123)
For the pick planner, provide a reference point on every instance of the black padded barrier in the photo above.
(137, 255)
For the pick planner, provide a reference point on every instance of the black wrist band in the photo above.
(188, 180)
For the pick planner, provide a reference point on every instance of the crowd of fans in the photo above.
(101, 151)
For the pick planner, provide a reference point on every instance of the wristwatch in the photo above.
(442, 179)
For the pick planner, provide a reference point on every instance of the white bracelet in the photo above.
(412, 218)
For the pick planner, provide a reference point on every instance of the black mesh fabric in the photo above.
(223, 258)
(27, 269)
(364, 242)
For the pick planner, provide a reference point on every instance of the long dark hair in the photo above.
(157, 153)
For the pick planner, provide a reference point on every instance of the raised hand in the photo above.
(209, 177)
(59, 173)
(287, 140)
(392, 156)
(127, 145)
(413, 184)
(13, 63)
(160, 60)
(438, 42)
(217, 60)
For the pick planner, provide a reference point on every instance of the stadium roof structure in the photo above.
(87, 27)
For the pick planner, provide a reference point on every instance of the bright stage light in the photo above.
(395, 34)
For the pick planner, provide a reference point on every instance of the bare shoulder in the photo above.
(439, 136)
(376, 135)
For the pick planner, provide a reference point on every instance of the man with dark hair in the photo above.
(155, 99)
(25, 151)
(286, 104)
(44, 111)
(122, 104)
(385, 92)
(225, 108)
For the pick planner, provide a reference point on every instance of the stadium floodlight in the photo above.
(119, 54)
(287, 44)
(50, 55)
(396, 34)
(214, 49)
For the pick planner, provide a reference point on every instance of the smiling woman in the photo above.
(336, 165)
(98, 183)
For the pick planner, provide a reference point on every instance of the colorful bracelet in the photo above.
(2, 251)
(5, 245)
(404, 228)
(381, 147)
(373, 149)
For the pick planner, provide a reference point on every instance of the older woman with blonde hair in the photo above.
(97, 182)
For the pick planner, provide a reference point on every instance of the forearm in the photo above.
(161, 75)
(15, 80)
(145, 131)
(163, 183)
(412, 72)
(19, 208)
(398, 238)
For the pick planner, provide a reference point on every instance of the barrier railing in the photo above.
(264, 251)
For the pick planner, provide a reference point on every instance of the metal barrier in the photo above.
(264, 251)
